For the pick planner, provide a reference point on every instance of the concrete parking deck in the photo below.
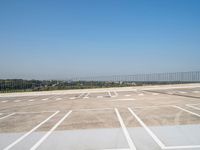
(132, 118)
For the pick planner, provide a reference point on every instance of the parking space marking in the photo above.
(28, 133)
(155, 138)
(45, 99)
(198, 115)
(7, 116)
(86, 95)
(50, 131)
(155, 94)
(140, 94)
(72, 98)
(125, 131)
(4, 101)
(109, 93)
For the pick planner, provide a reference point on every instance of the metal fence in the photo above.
(14, 85)
(193, 76)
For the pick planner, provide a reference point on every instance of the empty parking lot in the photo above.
(142, 118)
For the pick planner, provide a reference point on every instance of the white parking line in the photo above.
(7, 116)
(155, 94)
(126, 134)
(32, 130)
(45, 99)
(72, 98)
(198, 115)
(141, 94)
(58, 99)
(50, 131)
(147, 129)
(109, 93)
(86, 96)
(4, 101)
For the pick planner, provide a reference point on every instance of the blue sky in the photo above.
(68, 38)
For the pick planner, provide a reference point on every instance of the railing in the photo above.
(193, 76)
(14, 85)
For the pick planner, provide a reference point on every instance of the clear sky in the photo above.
(66, 38)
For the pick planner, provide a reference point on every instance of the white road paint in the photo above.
(86, 96)
(28, 133)
(4, 101)
(155, 94)
(141, 94)
(109, 93)
(50, 131)
(45, 99)
(198, 115)
(58, 99)
(156, 139)
(7, 116)
(125, 131)
(72, 98)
